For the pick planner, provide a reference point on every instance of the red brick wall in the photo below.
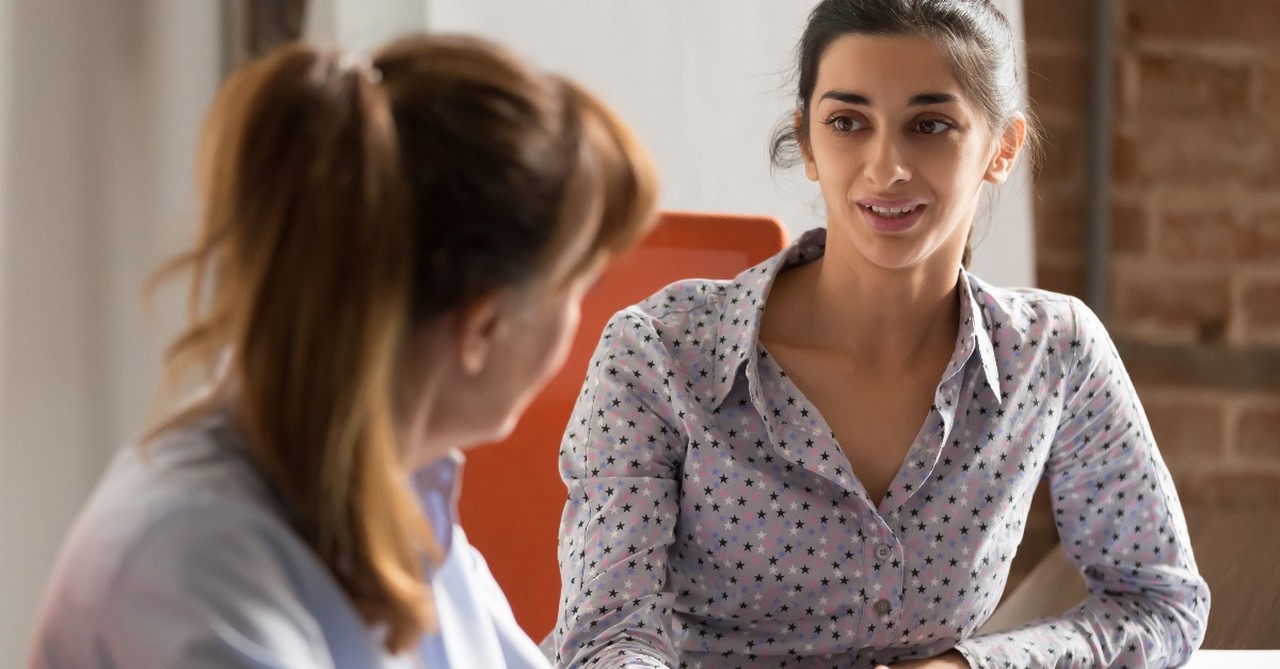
(1195, 267)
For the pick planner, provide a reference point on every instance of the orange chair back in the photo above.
(512, 495)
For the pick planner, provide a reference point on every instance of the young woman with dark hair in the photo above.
(828, 461)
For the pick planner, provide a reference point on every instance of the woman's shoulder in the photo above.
(164, 510)
(683, 299)
(182, 532)
(1043, 314)
(200, 471)
(688, 310)
(699, 305)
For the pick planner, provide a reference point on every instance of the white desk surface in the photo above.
(1234, 659)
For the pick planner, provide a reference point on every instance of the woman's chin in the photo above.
(893, 258)
(463, 440)
(499, 432)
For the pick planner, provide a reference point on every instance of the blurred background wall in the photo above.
(1192, 272)
(1195, 202)
(100, 104)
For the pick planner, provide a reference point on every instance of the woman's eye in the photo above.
(842, 124)
(932, 127)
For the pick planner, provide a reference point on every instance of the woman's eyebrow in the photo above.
(924, 99)
(847, 98)
(920, 100)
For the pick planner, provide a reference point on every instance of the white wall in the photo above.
(99, 106)
(362, 25)
(704, 83)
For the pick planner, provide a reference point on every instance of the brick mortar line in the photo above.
(1264, 466)
(1263, 340)
(1230, 430)
(1177, 394)
(1158, 266)
(1152, 261)
(1237, 326)
(1249, 199)
(1224, 52)
(1132, 126)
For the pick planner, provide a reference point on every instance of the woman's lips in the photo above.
(889, 215)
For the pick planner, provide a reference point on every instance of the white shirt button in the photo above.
(883, 552)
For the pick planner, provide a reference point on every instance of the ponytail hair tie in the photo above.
(361, 65)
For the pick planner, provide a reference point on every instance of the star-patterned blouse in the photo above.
(713, 520)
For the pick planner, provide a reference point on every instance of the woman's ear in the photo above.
(1007, 149)
(802, 139)
(479, 327)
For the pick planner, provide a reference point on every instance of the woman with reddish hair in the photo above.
(389, 267)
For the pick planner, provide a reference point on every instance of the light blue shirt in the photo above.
(183, 558)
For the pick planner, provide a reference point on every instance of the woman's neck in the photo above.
(421, 379)
(886, 318)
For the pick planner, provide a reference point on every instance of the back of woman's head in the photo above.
(490, 214)
(347, 204)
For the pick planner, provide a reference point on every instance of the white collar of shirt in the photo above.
(436, 486)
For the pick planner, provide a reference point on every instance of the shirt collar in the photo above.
(739, 328)
(974, 333)
(436, 485)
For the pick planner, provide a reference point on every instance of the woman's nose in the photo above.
(886, 164)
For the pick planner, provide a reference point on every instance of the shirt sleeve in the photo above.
(1120, 523)
(620, 459)
(208, 588)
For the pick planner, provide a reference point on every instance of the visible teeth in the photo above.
(891, 212)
